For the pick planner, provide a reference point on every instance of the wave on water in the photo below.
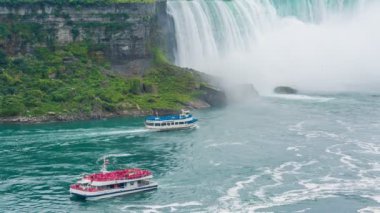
(300, 129)
(232, 196)
(324, 187)
(294, 148)
(223, 144)
(369, 209)
(159, 208)
(269, 195)
(296, 97)
(232, 202)
(114, 155)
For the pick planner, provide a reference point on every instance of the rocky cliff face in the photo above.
(122, 32)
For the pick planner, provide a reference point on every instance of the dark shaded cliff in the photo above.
(124, 33)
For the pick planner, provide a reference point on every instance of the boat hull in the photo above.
(170, 128)
(110, 193)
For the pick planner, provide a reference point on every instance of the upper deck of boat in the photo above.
(168, 117)
(126, 174)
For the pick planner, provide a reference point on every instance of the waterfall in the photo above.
(248, 38)
(205, 30)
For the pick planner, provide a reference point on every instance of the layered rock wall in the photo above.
(124, 33)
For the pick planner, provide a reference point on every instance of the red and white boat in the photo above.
(109, 184)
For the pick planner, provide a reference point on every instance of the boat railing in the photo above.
(95, 189)
(167, 118)
(118, 175)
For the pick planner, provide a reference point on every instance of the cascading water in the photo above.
(208, 29)
(326, 45)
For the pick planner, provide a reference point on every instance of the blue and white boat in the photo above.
(184, 120)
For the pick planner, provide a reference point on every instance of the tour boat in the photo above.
(109, 184)
(183, 120)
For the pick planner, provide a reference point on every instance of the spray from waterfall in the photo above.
(324, 46)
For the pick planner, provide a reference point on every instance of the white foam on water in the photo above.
(215, 163)
(231, 199)
(299, 128)
(318, 134)
(232, 202)
(369, 209)
(303, 210)
(294, 148)
(369, 148)
(346, 125)
(325, 187)
(373, 197)
(296, 97)
(288, 168)
(159, 208)
(113, 155)
(312, 191)
(223, 144)
(345, 159)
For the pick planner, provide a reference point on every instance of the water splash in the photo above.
(113, 155)
(312, 45)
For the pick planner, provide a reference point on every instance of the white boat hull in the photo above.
(111, 193)
(172, 127)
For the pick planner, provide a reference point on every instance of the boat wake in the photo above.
(110, 132)
(113, 155)
(72, 134)
(159, 208)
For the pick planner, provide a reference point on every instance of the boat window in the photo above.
(176, 123)
(163, 124)
(157, 124)
(132, 183)
(181, 122)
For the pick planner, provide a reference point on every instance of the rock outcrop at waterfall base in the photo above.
(285, 90)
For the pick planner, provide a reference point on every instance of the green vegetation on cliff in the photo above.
(77, 62)
(76, 79)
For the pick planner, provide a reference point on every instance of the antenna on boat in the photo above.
(105, 163)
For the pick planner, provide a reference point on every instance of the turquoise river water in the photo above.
(276, 154)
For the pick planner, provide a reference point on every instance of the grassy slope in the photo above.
(76, 79)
